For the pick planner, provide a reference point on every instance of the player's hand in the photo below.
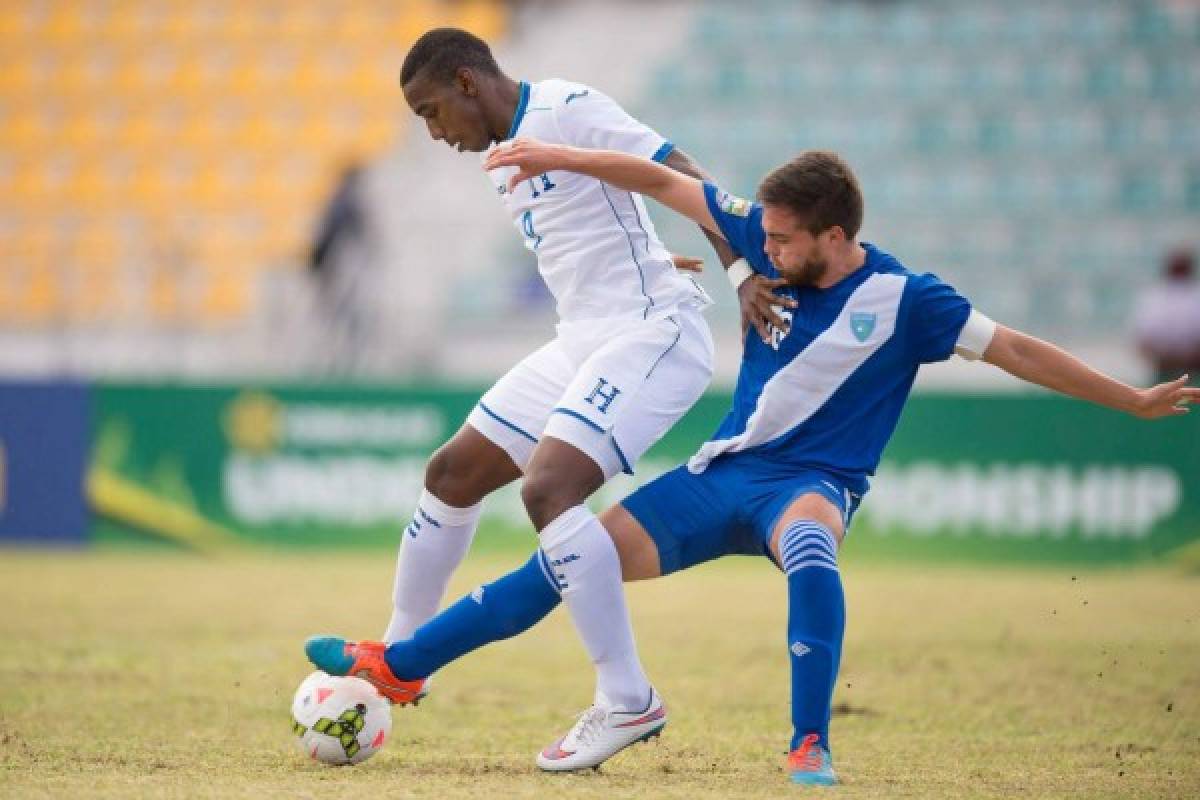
(761, 307)
(529, 156)
(1166, 399)
(687, 263)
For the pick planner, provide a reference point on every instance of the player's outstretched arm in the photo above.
(1036, 361)
(681, 193)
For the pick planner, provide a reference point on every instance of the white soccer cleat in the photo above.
(599, 734)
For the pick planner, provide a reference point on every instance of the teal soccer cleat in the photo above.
(810, 764)
(328, 654)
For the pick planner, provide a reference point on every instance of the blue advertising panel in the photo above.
(44, 444)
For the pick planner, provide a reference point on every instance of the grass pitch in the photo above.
(159, 675)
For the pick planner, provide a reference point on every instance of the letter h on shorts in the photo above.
(605, 399)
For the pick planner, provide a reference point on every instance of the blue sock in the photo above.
(816, 622)
(492, 612)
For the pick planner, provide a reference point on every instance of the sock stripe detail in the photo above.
(801, 565)
(428, 518)
(802, 552)
(806, 560)
(807, 544)
(548, 572)
(812, 541)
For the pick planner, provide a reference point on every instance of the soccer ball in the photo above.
(340, 720)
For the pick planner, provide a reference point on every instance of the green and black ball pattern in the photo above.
(345, 728)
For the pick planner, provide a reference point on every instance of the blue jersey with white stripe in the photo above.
(828, 393)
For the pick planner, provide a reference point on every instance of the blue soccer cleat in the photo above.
(810, 764)
(364, 660)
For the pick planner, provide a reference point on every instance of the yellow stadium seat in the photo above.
(12, 22)
(183, 23)
(65, 24)
(18, 69)
(87, 186)
(93, 291)
(410, 21)
(165, 295)
(482, 17)
(24, 127)
(225, 294)
(226, 109)
(125, 80)
(37, 292)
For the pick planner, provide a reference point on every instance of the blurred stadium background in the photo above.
(166, 165)
(238, 279)
(243, 297)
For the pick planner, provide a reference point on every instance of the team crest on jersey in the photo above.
(730, 204)
(862, 324)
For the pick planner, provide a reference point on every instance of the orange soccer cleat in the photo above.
(364, 660)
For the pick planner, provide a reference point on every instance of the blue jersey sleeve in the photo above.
(936, 317)
(740, 222)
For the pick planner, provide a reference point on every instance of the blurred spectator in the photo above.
(342, 223)
(342, 261)
(1167, 319)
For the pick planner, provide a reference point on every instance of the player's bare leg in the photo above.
(805, 543)
(636, 549)
(459, 475)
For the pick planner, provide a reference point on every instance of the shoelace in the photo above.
(588, 727)
(807, 757)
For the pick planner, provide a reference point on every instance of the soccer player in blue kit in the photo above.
(815, 403)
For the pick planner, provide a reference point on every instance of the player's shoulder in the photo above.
(884, 263)
(729, 203)
(924, 293)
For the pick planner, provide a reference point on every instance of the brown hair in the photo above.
(819, 188)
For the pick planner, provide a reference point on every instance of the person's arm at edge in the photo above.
(1045, 364)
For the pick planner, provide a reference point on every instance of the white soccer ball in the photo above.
(340, 720)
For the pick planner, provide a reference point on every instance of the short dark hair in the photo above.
(819, 188)
(442, 51)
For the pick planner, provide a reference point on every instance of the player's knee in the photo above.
(449, 478)
(546, 498)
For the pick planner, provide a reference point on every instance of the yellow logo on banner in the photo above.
(254, 421)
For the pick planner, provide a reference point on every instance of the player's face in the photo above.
(452, 111)
(794, 251)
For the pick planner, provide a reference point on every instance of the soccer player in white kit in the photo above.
(632, 355)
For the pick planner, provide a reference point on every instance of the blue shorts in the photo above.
(725, 510)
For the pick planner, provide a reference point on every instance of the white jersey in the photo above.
(595, 245)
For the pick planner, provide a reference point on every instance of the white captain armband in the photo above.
(975, 337)
(738, 272)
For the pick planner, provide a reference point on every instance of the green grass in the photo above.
(159, 675)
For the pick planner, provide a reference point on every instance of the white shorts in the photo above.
(609, 388)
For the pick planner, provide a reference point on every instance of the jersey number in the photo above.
(546, 185)
(527, 218)
(527, 226)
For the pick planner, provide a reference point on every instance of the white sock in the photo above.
(588, 570)
(434, 544)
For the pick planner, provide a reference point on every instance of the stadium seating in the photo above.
(1040, 156)
(157, 155)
